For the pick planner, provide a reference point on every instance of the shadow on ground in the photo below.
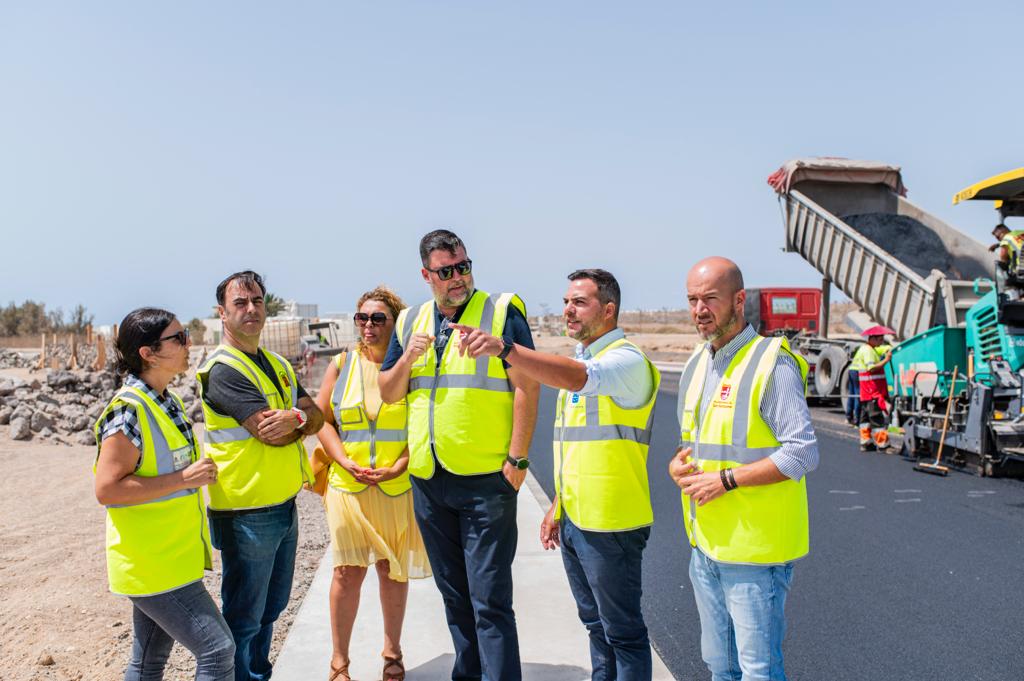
(441, 668)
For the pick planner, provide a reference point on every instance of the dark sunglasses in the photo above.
(181, 337)
(378, 318)
(445, 273)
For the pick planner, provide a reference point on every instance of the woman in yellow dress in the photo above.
(368, 498)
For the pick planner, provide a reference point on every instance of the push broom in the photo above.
(936, 467)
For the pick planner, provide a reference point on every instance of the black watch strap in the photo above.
(507, 349)
(522, 464)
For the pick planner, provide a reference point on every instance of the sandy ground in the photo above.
(54, 600)
(660, 347)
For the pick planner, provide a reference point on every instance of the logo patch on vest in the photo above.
(284, 380)
(725, 397)
(575, 398)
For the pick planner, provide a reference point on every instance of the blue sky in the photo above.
(146, 150)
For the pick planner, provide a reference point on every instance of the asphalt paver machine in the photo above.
(984, 410)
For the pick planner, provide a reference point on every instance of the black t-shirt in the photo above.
(230, 393)
(516, 329)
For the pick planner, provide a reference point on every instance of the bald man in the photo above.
(746, 445)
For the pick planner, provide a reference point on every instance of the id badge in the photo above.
(351, 416)
(182, 458)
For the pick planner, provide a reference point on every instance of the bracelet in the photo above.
(732, 478)
(725, 480)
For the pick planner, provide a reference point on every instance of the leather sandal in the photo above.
(394, 669)
(339, 673)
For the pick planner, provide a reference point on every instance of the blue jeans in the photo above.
(469, 529)
(604, 570)
(258, 558)
(189, 616)
(853, 396)
(742, 618)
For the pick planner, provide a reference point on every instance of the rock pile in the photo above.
(9, 359)
(65, 407)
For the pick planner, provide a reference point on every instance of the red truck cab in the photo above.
(775, 310)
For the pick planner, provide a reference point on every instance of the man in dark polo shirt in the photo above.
(470, 426)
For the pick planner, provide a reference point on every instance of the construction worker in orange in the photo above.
(874, 389)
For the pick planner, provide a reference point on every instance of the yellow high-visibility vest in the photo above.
(463, 410)
(160, 545)
(251, 474)
(765, 524)
(601, 458)
(370, 443)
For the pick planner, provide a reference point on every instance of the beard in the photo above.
(446, 300)
(585, 331)
(721, 329)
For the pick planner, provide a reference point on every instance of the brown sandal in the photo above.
(339, 673)
(391, 664)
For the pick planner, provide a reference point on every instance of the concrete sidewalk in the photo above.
(552, 641)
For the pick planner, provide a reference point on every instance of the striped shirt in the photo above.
(123, 419)
(783, 407)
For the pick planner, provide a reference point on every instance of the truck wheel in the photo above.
(830, 371)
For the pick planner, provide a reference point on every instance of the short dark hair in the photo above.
(439, 239)
(139, 329)
(247, 278)
(607, 286)
(999, 227)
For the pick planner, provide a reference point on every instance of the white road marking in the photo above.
(843, 491)
(907, 491)
(852, 508)
(906, 501)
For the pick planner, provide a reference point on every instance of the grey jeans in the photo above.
(189, 616)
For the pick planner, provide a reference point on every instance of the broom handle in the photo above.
(945, 421)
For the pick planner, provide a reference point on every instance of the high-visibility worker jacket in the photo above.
(159, 545)
(251, 474)
(601, 458)
(1013, 241)
(461, 408)
(376, 443)
(758, 525)
(873, 385)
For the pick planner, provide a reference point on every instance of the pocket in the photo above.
(350, 416)
(506, 484)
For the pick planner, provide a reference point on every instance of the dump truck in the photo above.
(957, 372)
(906, 268)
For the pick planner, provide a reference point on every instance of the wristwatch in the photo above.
(521, 464)
(507, 349)
(301, 416)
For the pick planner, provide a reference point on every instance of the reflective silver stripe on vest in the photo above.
(730, 452)
(339, 388)
(380, 435)
(463, 381)
(162, 451)
(602, 433)
(410, 321)
(741, 419)
(224, 353)
(223, 435)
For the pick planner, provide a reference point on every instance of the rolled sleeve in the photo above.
(621, 374)
(784, 409)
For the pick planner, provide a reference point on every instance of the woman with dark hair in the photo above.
(368, 499)
(148, 474)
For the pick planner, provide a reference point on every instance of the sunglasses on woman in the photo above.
(181, 337)
(378, 318)
(445, 273)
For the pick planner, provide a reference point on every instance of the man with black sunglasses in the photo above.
(470, 425)
(256, 415)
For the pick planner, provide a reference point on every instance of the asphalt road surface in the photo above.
(910, 576)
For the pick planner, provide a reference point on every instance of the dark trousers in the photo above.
(604, 570)
(853, 396)
(469, 529)
(258, 559)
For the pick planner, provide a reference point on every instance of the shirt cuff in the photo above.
(590, 388)
(790, 466)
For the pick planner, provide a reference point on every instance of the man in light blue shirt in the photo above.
(603, 566)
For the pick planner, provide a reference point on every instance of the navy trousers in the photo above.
(469, 529)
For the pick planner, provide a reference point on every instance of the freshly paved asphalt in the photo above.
(910, 576)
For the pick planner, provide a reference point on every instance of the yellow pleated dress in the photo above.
(370, 526)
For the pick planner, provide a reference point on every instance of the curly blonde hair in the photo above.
(381, 294)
